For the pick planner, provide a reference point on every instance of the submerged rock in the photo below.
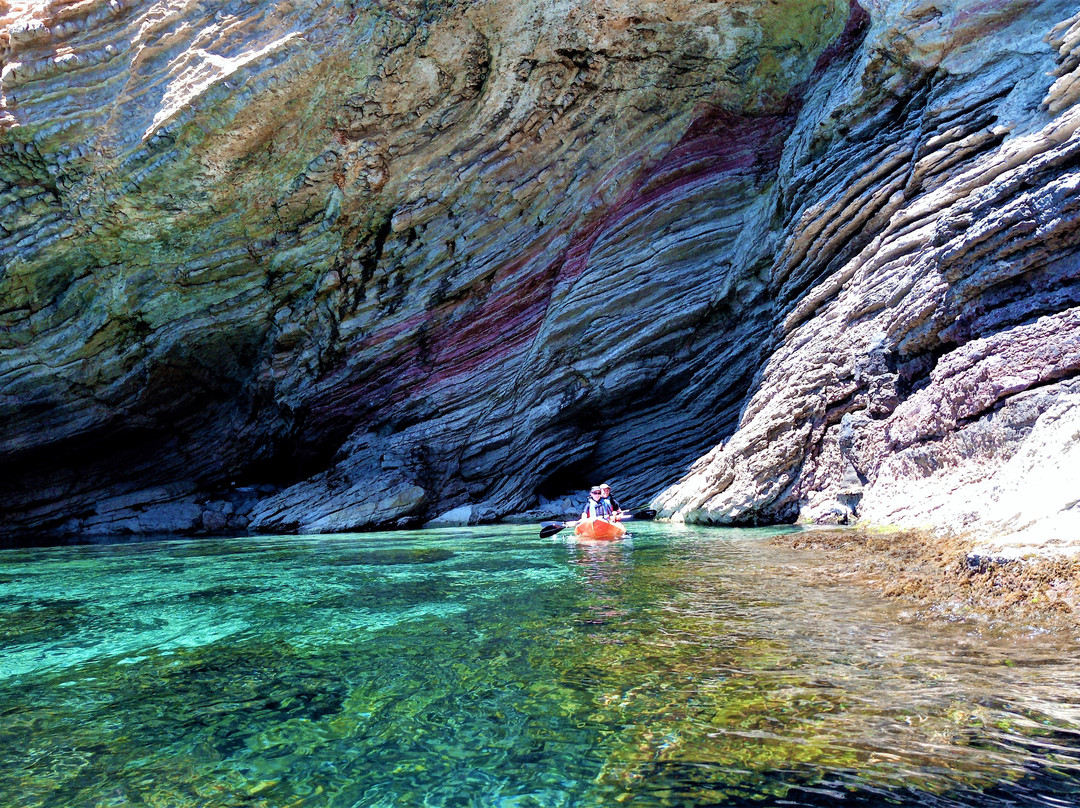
(332, 267)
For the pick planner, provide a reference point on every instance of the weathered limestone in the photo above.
(1033, 502)
(324, 267)
(938, 329)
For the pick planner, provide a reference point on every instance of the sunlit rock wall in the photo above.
(307, 266)
(927, 339)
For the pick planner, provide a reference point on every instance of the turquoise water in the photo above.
(489, 667)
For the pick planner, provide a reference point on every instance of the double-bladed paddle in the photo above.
(551, 528)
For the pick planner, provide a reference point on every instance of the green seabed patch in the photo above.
(223, 592)
(161, 730)
(40, 622)
(384, 595)
(389, 557)
(555, 676)
(266, 724)
(502, 564)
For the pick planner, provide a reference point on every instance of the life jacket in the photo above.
(601, 509)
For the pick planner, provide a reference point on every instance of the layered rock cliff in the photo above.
(310, 266)
(923, 369)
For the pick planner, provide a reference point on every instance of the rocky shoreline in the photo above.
(944, 577)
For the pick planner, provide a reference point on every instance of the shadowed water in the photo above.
(488, 667)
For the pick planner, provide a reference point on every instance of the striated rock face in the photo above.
(316, 266)
(927, 341)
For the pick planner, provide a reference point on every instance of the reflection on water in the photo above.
(488, 667)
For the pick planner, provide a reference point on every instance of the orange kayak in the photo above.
(599, 529)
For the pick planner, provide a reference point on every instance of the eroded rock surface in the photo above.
(315, 266)
(936, 333)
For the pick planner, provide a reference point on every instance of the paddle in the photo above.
(551, 528)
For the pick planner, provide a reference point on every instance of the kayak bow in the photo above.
(599, 529)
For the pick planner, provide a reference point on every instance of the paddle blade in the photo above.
(645, 515)
(550, 530)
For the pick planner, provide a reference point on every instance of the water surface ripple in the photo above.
(488, 667)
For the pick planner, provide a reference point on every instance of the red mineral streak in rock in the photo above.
(844, 46)
(497, 330)
(722, 142)
(717, 144)
(439, 347)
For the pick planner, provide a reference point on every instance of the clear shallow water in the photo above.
(488, 667)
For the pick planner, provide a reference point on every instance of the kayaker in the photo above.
(595, 506)
(612, 504)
